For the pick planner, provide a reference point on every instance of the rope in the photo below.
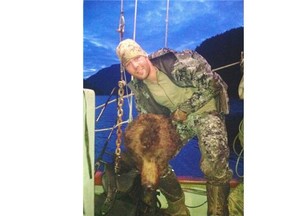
(237, 164)
(111, 101)
(129, 99)
(130, 105)
(111, 128)
(198, 192)
(197, 206)
(220, 68)
(239, 155)
(105, 105)
(121, 22)
(100, 158)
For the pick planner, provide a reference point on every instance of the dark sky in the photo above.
(190, 22)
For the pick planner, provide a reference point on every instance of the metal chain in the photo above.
(121, 85)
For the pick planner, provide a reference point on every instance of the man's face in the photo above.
(138, 67)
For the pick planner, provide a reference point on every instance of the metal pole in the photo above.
(167, 14)
(135, 19)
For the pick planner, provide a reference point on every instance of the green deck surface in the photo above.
(196, 199)
(195, 195)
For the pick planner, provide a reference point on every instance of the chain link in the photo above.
(121, 85)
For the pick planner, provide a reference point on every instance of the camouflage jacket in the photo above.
(185, 69)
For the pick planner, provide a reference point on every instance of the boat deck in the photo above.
(195, 196)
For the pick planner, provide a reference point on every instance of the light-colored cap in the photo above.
(128, 49)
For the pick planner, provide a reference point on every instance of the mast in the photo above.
(166, 20)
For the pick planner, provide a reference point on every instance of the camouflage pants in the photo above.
(211, 132)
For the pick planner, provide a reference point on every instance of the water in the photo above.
(186, 163)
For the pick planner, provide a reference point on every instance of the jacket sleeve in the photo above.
(193, 70)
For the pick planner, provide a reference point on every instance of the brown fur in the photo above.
(152, 141)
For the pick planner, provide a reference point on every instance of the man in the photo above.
(182, 85)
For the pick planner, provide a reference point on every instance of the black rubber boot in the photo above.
(217, 197)
(171, 189)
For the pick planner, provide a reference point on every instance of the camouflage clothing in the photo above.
(185, 69)
(189, 69)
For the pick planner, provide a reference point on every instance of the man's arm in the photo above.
(193, 70)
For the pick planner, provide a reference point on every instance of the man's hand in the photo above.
(179, 115)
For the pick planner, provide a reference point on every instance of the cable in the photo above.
(239, 155)
(196, 191)
(220, 68)
(112, 101)
(237, 164)
(105, 105)
(197, 206)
